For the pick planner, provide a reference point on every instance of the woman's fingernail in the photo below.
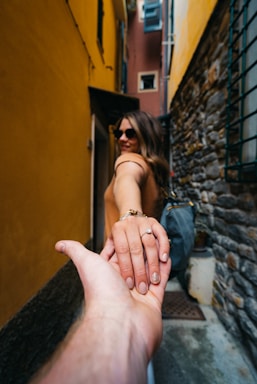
(130, 282)
(142, 288)
(155, 278)
(165, 257)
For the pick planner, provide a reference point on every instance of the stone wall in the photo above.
(228, 211)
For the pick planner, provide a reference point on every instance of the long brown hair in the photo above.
(149, 134)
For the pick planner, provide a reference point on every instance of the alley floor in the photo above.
(200, 352)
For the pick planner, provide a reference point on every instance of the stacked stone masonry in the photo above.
(228, 211)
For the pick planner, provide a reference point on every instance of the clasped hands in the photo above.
(113, 314)
(109, 298)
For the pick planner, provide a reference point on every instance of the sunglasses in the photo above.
(130, 133)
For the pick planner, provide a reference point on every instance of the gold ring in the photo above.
(148, 231)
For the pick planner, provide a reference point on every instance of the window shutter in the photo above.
(153, 15)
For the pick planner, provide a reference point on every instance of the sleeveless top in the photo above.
(151, 200)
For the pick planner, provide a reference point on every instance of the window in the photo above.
(152, 15)
(131, 5)
(241, 128)
(100, 23)
(147, 81)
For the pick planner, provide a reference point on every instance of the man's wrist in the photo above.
(121, 334)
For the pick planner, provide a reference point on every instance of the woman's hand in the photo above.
(140, 243)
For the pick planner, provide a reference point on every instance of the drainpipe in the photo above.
(165, 69)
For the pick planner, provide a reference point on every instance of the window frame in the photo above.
(241, 124)
(155, 75)
(141, 11)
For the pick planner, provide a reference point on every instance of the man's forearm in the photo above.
(98, 351)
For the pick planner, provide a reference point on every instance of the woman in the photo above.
(134, 201)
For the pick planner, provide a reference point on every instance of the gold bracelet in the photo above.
(132, 212)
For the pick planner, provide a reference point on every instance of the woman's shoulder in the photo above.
(130, 156)
(133, 157)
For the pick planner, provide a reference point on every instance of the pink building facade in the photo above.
(144, 63)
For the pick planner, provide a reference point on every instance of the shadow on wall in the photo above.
(32, 335)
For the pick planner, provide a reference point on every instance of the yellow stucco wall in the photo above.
(190, 20)
(45, 70)
(102, 62)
